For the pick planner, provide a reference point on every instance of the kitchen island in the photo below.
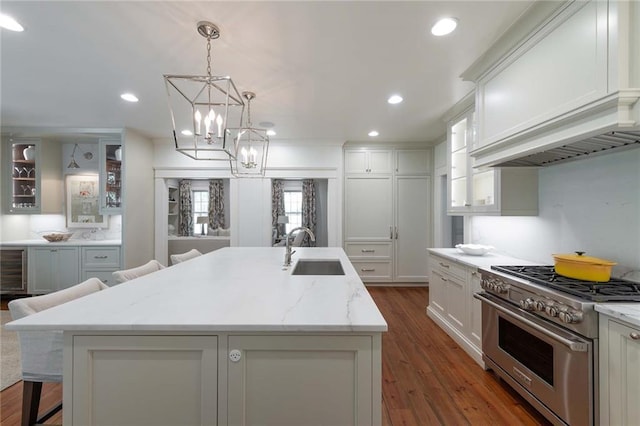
(228, 338)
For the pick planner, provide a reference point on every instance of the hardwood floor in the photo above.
(427, 379)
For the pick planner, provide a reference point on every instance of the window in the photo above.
(200, 200)
(293, 209)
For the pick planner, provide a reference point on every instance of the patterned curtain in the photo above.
(308, 209)
(277, 205)
(185, 228)
(216, 204)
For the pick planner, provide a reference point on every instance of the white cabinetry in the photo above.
(100, 262)
(294, 380)
(484, 190)
(387, 213)
(452, 306)
(173, 209)
(110, 176)
(619, 372)
(52, 268)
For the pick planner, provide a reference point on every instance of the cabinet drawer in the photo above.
(448, 267)
(373, 271)
(356, 250)
(103, 275)
(101, 257)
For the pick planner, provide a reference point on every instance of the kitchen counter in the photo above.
(484, 261)
(231, 289)
(233, 328)
(71, 242)
(627, 312)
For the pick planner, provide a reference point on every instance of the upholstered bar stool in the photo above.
(41, 351)
(178, 258)
(139, 271)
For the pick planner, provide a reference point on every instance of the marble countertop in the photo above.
(71, 242)
(231, 289)
(484, 261)
(627, 312)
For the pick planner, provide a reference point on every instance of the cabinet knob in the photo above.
(444, 265)
(367, 269)
(634, 335)
(235, 355)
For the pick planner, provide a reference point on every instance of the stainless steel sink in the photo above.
(318, 267)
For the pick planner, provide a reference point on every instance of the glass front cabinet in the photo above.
(22, 172)
(110, 175)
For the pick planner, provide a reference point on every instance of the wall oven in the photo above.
(13, 270)
(540, 335)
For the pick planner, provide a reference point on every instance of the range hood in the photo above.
(589, 147)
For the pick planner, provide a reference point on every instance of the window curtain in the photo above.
(277, 205)
(308, 209)
(185, 227)
(216, 204)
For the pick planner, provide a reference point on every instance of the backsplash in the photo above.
(27, 227)
(591, 205)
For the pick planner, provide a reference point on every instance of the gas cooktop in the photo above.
(614, 290)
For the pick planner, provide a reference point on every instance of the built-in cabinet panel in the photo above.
(387, 214)
(452, 305)
(619, 372)
(52, 269)
(110, 175)
(296, 380)
(179, 386)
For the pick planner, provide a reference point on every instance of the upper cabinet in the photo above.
(572, 76)
(368, 161)
(32, 176)
(484, 190)
(110, 175)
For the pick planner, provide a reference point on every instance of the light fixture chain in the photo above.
(249, 112)
(209, 57)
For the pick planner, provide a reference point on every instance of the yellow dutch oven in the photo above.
(583, 267)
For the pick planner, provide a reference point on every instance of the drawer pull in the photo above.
(368, 269)
(100, 257)
(444, 265)
(368, 251)
(634, 335)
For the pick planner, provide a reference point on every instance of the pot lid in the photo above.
(579, 257)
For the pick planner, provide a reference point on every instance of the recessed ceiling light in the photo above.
(444, 26)
(266, 124)
(271, 132)
(373, 133)
(394, 99)
(8, 23)
(129, 97)
(187, 132)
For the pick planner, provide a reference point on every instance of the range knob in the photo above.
(527, 304)
(551, 310)
(570, 317)
(539, 305)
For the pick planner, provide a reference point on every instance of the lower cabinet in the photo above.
(452, 306)
(52, 268)
(222, 379)
(619, 372)
(100, 262)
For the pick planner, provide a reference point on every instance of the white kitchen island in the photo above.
(228, 338)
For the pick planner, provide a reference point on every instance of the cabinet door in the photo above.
(456, 296)
(437, 292)
(302, 380)
(458, 143)
(66, 267)
(623, 375)
(415, 162)
(22, 172)
(110, 176)
(412, 228)
(368, 208)
(40, 264)
(380, 161)
(475, 315)
(142, 380)
(356, 161)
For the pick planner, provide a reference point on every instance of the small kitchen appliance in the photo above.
(540, 335)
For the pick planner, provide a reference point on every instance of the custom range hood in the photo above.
(589, 147)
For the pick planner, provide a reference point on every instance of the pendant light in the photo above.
(252, 145)
(203, 108)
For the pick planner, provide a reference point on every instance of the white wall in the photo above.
(138, 221)
(590, 205)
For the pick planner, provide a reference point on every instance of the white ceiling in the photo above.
(322, 71)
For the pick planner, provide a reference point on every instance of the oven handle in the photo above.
(571, 344)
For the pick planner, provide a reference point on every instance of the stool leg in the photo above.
(30, 402)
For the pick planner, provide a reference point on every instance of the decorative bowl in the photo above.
(57, 237)
(474, 249)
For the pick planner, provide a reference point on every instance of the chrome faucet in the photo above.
(288, 252)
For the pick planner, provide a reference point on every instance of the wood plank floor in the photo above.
(427, 379)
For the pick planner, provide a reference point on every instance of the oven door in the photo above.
(549, 366)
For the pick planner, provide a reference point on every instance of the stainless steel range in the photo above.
(540, 335)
